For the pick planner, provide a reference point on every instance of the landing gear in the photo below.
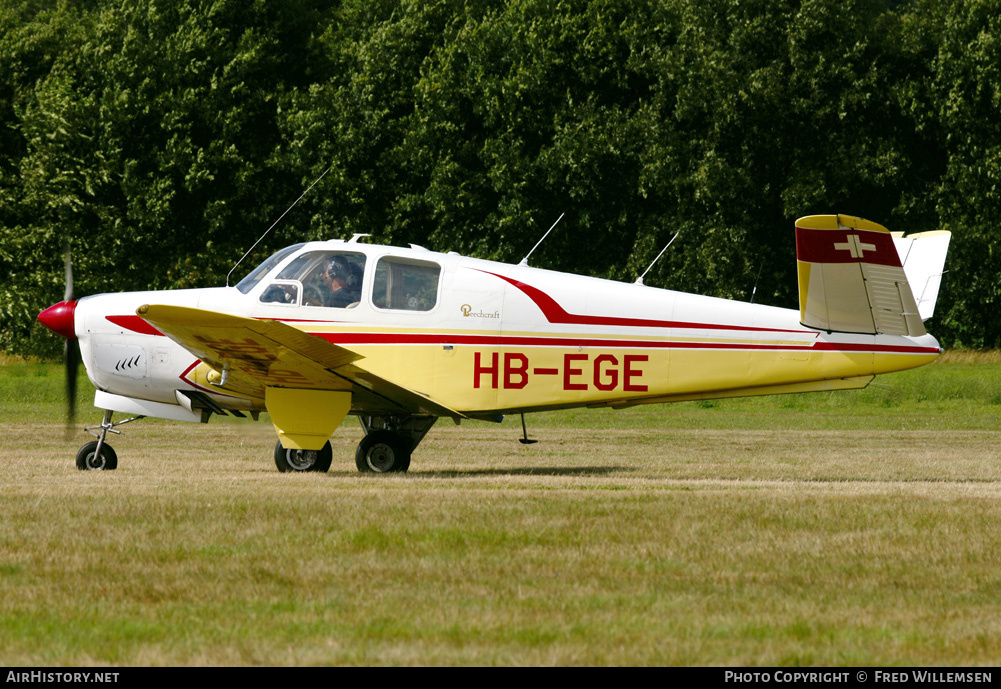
(97, 455)
(89, 458)
(389, 441)
(383, 452)
(302, 460)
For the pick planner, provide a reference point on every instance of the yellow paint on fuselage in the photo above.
(477, 371)
(471, 378)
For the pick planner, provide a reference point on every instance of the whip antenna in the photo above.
(639, 280)
(524, 261)
(275, 223)
(756, 280)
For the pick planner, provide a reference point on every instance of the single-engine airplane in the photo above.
(402, 337)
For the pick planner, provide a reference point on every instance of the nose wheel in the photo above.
(90, 458)
(97, 455)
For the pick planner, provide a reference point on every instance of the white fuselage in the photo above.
(482, 337)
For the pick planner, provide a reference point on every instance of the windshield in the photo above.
(328, 278)
(248, 283)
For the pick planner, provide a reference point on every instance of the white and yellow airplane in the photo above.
(402, 337)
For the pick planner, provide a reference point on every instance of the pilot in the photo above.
(342, 281)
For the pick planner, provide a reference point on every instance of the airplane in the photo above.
(401, 337)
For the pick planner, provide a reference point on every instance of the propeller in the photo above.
(61, 319)
(72, 348)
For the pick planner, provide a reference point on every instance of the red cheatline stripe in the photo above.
(297, 320)
(556, 313)
(516, 341)
(135, 324)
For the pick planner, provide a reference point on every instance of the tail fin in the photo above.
(852, 278)
(923, 256)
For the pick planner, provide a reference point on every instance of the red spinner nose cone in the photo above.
(59, 319)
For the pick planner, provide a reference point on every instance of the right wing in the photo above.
(252, 355)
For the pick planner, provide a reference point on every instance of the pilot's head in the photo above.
(340, 274)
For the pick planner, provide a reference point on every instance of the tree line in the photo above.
(159, 139)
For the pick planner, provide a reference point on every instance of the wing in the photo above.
(250, 355)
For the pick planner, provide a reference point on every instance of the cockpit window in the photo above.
(248, 283)
(405, 284)
(282, 292)
(327, 278)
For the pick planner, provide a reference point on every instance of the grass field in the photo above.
(850, 528)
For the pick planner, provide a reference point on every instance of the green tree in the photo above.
(966, 110)
(151, 142)
(34, 40)
(161, 139)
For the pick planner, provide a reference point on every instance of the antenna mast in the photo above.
(524, 261)
(756, 280)
(639, 280)
(275, 223)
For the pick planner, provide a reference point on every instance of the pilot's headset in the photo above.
(341, 268)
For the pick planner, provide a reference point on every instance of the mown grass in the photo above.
(855, 528)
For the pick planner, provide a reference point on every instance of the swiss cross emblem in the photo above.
(855, 246)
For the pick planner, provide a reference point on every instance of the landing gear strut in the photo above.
(389, 441)
(97, 454)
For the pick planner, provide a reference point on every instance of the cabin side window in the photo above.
(320, 278)
(405, 284)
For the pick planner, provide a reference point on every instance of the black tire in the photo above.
(86, 460)
(303, 460)
(383, 452)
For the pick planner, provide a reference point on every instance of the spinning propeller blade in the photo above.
(68, 258)
(72, 358)
(71, 351)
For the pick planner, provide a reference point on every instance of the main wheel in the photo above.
(302, 460)
(383, 451)
(88, 460)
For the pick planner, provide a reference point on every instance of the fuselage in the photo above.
(484, 338)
